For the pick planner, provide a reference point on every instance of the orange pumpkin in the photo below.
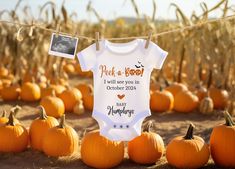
(70, 98)
(53, 105)
(146, 148)
(3, 118)
(84, 88)
(47, 91)
(99, 152)
(219, 96)
(222, 143)
(187, 151)
(14, 136)
(3, 71)
(185, 101)
(30, 92)
(161, 101)
(201, 92)
(10, 93)
(39, 127)
(1, 85)
(175, 87)
(62, 136)
(69, 68)
(88, 101)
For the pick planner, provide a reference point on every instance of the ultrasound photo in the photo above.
(63, 46)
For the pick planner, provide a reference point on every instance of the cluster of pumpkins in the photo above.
(180, 98)
(58, 139)
(73, 67)
(52, 89)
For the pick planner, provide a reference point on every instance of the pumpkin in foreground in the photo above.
(39, 127)
(14, 136)
(187, 151)
(61, 140)
(146, 148)
(99, 152)
(222, 143)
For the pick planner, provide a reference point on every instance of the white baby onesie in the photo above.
(121, 73)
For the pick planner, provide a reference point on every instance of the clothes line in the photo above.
(124, 38)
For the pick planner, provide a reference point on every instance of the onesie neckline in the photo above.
(108, 44)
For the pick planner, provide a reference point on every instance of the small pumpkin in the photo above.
(70, 97)
(87, 95)
(161, 101)
(3, 118)
(79, 108)
(14, 136)
(88, 101)
(175, 87)
(187, 151)
(39, 127)
(10, 93)
(3, 71)
(201, 92)
(53, 105)
(219, 96)
(206, 105)
(30, 91)
(185, 101)
(84, 88)
(61, 140)
(99, 152)
(69, 68)
(48, 90)
(222, 143)
(146, 148)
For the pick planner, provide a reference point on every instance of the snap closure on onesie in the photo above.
(120, 131)
(121, 77)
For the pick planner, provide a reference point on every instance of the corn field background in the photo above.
(192, 53)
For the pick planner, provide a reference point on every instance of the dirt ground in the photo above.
(168, 125)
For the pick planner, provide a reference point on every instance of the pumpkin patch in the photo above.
(187, 151)
(99, 152)
(222, 143)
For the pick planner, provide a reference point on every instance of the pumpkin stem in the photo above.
(53, 93)
(11, 120)
(209, 81)
(4, 113)
(62, 122)
(148, 126)
(228, 119)
(43, 115)
(15, 110)
(160, 88)
(189, 134)
(166, 82)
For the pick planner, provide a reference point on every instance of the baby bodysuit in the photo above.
(121, 77)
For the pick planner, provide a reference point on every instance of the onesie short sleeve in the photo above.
(155, 56)
(87, 58)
